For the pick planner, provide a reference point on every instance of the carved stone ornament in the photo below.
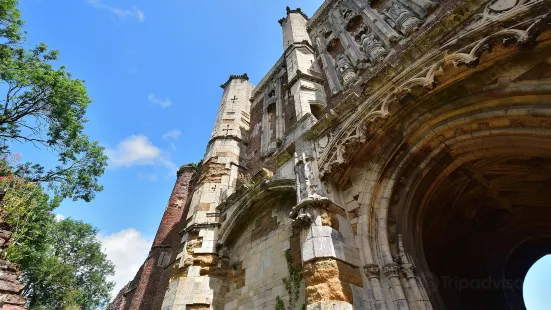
(372, 48)
(503, 5)
(391, 270)
(495, 8)
(408, 270)
(325, 30)
(346, 12)
(406, 22)
(303, 219)
(372, 271)
(345, 70)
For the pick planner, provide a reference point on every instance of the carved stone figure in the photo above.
(405, 21)
(373, 49)
(345, 70)
(346, 12)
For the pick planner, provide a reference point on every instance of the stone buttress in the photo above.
(200, 274)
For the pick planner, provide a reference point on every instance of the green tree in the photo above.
(74, 272)
(62, 264)
(45, 106)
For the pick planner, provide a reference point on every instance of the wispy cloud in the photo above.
(147, 176)
(127, 249)
(172, 134)
(165, 103)
(132, 70)
(134, 12)
(138, 150)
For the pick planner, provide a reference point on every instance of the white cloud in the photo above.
(135, 12)
(172, 134)
(128, 250)
(134, 150)
(165, 103)
(59, 217)
(137, 150)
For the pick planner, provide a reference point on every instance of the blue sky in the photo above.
(153, 70)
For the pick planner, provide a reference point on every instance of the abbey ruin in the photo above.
(397, 156)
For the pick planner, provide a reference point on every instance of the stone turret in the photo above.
(303, 73)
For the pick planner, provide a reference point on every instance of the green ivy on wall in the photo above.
(292, 284)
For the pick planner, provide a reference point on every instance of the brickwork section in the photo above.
(146, 290)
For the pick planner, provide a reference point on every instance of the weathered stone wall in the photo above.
(258, 261)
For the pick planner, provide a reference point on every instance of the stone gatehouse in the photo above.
(397, 156)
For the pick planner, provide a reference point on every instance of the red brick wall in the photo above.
(253, 147)
(146, 291)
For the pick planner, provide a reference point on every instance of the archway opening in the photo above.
(484, 225)
(537, 283)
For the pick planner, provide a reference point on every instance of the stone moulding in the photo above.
(435, 64)
(252, 201)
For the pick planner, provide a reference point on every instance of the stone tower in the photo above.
(195, 285)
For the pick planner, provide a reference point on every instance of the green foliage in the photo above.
(197, 166)
(76, 270)
(62, 264)
(292, 283)
(10, 21)
(27, 210)
(280, 305)
(45, 106)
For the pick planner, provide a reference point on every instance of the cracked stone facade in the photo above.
(397, 156)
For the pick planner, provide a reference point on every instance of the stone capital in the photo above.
(408, 270)
(391, 270)
(372, 271)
